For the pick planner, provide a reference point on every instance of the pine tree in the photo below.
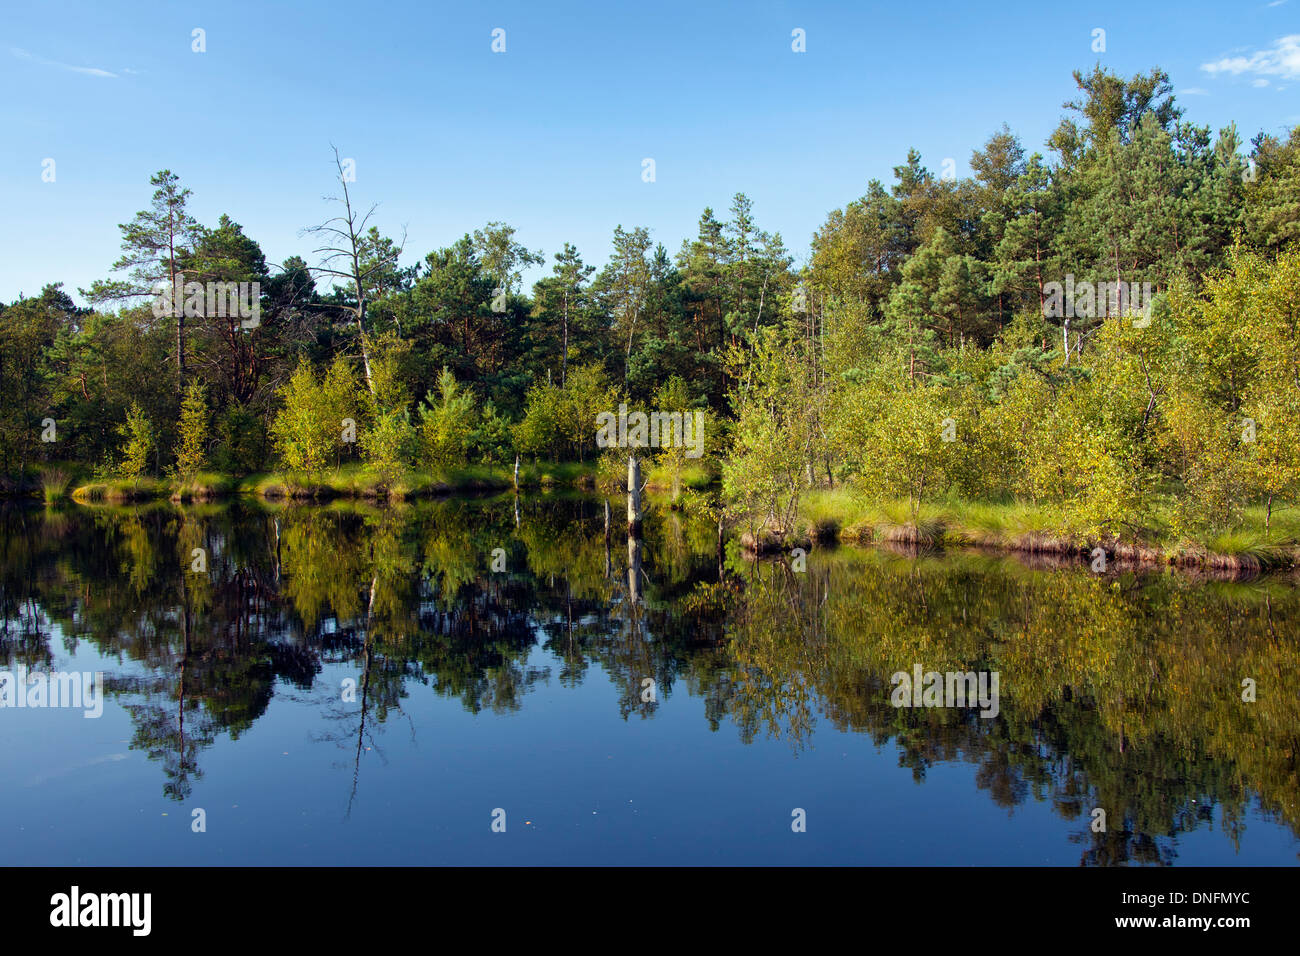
(154, 244)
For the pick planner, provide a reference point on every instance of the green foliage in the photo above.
(921, 304)
(241, 442)
(390, 442)
(28, 330)
(191, 455)
(311, 427)
(909, 436)
(138, 442)
(774, 439)
(1199, 400)
(585, 395)
(560, 422)
(541, 432)
(446, 423)
(673, 459)
(1272, 200)
(389, 355)
(490, 439)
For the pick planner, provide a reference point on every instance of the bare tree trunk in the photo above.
(365, 349)
(633, 495)
(342, 252)
(1038, 275)
(633, 568)
(180, 348)
(178, 308)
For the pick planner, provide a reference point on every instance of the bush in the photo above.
(192, 453)
(242, 442)
(312, 424)
(446, 423)
(489, 442)
(138, 441)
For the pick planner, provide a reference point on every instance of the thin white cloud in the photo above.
(1259, 82)
(86, 70)
(1194, 91)
(1281, 59)
(1277, 3)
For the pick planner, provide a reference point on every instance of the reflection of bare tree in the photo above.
(634, 573)
(367, 657)
(377, 680)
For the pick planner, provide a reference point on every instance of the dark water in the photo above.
(526, 691)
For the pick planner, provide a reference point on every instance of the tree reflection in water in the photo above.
(1117, 691)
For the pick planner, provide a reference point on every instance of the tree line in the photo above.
(913, 354)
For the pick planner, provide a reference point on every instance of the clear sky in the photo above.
(550, 135)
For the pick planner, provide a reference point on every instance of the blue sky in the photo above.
(550, 135)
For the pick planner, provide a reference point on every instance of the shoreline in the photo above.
(825, 517)
(1063, 552)
(832, 518)
(351, 481)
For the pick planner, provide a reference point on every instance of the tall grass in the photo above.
(54, 482)
(122, 489)
(371, 482)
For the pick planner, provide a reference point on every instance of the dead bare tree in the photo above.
(346, 256)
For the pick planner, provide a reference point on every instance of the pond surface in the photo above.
(350, 685)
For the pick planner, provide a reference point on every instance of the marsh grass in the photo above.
(117, 490)
(374, 483)
(348, 481)
(54, 480)
(848, 515)
(204, 486)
